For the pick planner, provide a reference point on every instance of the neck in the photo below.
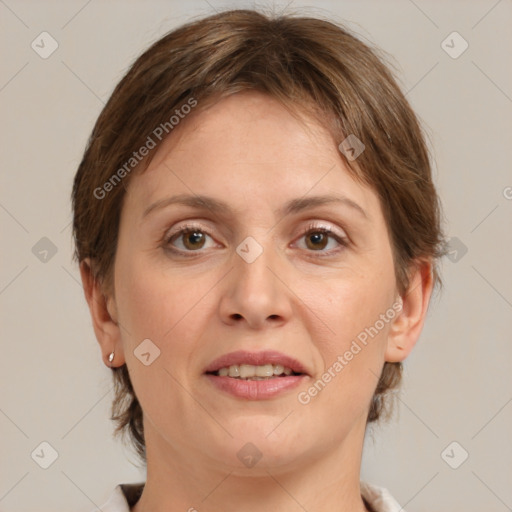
(177, 482)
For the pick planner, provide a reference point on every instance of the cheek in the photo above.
(147, 306)
(164, 307)
(346, 307)
(352, 318)
(352, 357)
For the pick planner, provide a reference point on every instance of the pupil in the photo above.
(317, 240)
(194, 238)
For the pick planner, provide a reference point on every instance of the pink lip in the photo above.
(255, 389)
(256, 359)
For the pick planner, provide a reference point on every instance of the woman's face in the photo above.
(256, 274)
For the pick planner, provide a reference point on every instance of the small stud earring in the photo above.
(111, 357)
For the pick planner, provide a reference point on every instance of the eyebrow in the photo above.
(222, 208)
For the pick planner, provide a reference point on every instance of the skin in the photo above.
(250, 152)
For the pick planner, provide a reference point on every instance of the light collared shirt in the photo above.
(125, 496)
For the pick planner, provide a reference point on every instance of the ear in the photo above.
(407, 326)
(104, 316)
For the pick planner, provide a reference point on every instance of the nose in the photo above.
(255, 293)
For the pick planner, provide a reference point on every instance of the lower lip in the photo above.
(255, 389)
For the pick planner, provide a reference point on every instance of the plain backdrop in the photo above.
(456, 398)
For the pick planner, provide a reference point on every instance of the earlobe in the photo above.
(103, 314)
(407, 326)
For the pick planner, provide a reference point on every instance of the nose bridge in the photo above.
(255, 293)
(252, 267)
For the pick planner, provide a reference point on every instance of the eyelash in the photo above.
(312, 228)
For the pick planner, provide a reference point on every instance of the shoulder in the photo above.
(379, 498)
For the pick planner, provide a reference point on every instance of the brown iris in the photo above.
(319, 240)
(193, 239)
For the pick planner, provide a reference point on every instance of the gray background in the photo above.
(458, 384)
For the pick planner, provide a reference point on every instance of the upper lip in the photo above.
(256, 359)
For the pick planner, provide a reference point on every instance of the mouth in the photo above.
(247, 365)
(255, 375)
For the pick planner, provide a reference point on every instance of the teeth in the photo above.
(278, 369)
(234, 371)
(266, 370)
(249, 371)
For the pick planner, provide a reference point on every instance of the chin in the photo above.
(258, 444)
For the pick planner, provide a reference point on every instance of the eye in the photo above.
(318, 238)
(191, 238)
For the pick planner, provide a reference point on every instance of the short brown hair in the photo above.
(303, 62)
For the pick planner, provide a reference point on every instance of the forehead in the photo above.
(247, 147)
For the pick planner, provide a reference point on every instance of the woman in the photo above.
(257, 232)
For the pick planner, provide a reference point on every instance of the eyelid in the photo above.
(342, 239)
(341, 233)
(189, 226)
